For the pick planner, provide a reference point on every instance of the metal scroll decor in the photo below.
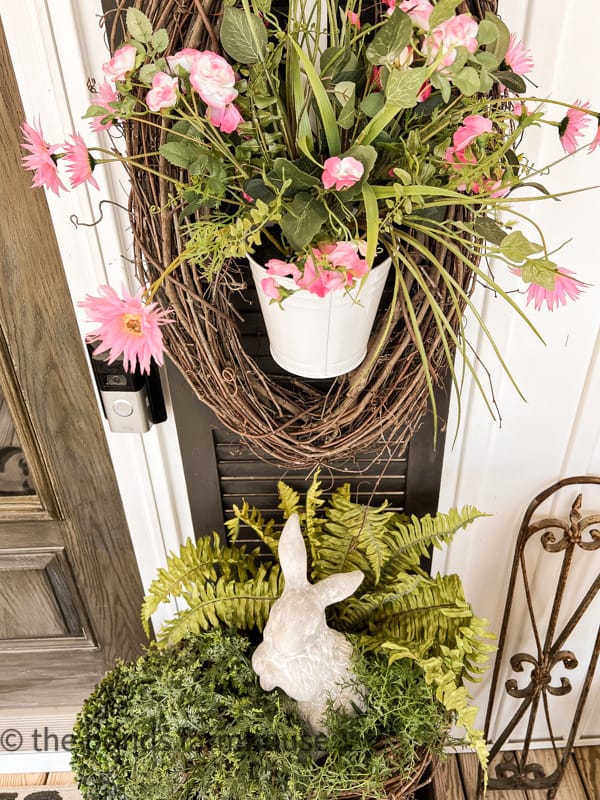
(568, 540)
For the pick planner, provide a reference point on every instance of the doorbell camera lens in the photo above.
(116, 380)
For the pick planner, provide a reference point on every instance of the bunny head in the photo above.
(299, 653)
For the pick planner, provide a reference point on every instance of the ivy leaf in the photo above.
(516, 247)
(489, 230)
(442, 11)
(138, 25)
(304, 221)
(243, 35)
(391, 39)
(403, 86)
(467, 81)
(160, 40)
(541, 271)
(282, 168)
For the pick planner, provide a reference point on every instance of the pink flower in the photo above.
(319, 280)
(271, 288)
(345, 255)
(353, 18)
(226, 118)
(105, 95)
(214, 79)
(424, 92)
(564, 286)
(80, 163)
(122, 62)
(341, 172)
(571, 127)
(442, 41)
(275, 266)
(471, 127)
(183, 58)
(163, 93)
(127, 327)
(596, 140)
(419, 11)
(41, 159)
(518, 57)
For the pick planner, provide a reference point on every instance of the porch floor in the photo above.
(457, 778)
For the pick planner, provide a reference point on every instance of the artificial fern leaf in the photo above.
(353, 614)
(196, 562)
(353, 538)
(242, 605)
(252, 517)
(313, 523)
(409, 541)
(289, 500)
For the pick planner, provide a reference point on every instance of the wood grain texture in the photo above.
(61, 779)
(467, 764)
(570, 788)
(24, 779)
(587, 760)
(54, 407)
(447, 782)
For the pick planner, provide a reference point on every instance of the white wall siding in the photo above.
(556, 433)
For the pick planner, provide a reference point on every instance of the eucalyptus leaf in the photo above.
(391, 39)
(488, 32)
(243, 35)
(513, 82)
(486, 82)
(502, 42)
(516, 247)
(147, 72)
(302, 224)
(541, 271)
(138, 25)
(467, 81)
(487, 60)
(403, 86)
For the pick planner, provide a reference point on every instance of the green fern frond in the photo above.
(196, 563)
(409, 541)
(353, 538)
(289, 500)
(251, 516)
(353, 614)
(236, 604)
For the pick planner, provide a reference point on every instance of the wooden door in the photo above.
(69, 587)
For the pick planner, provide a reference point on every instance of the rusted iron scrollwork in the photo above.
(519, 770)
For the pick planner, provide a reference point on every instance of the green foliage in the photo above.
(398, 610)
(189, 722)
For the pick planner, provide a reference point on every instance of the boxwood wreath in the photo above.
(285, 420)
(190, 720)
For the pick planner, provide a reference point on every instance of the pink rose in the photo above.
(163, 93)
(183, 58)
(214, 79)
(419, 11)
(471, 127)
(226, 118)
(341, 172)
(458, 31)
(122, 62)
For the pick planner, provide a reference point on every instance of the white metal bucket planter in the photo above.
(321, 337)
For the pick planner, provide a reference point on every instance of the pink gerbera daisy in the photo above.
(42, 158)
(572, 125)
(79, 161)
(518, 57)
(564, 286)
(128, 327)
(596, 140)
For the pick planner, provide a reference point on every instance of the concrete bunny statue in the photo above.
(299, 652)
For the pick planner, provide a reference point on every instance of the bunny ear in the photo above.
(338, 587)
(292, 554)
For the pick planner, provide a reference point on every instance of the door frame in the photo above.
(55, 47)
